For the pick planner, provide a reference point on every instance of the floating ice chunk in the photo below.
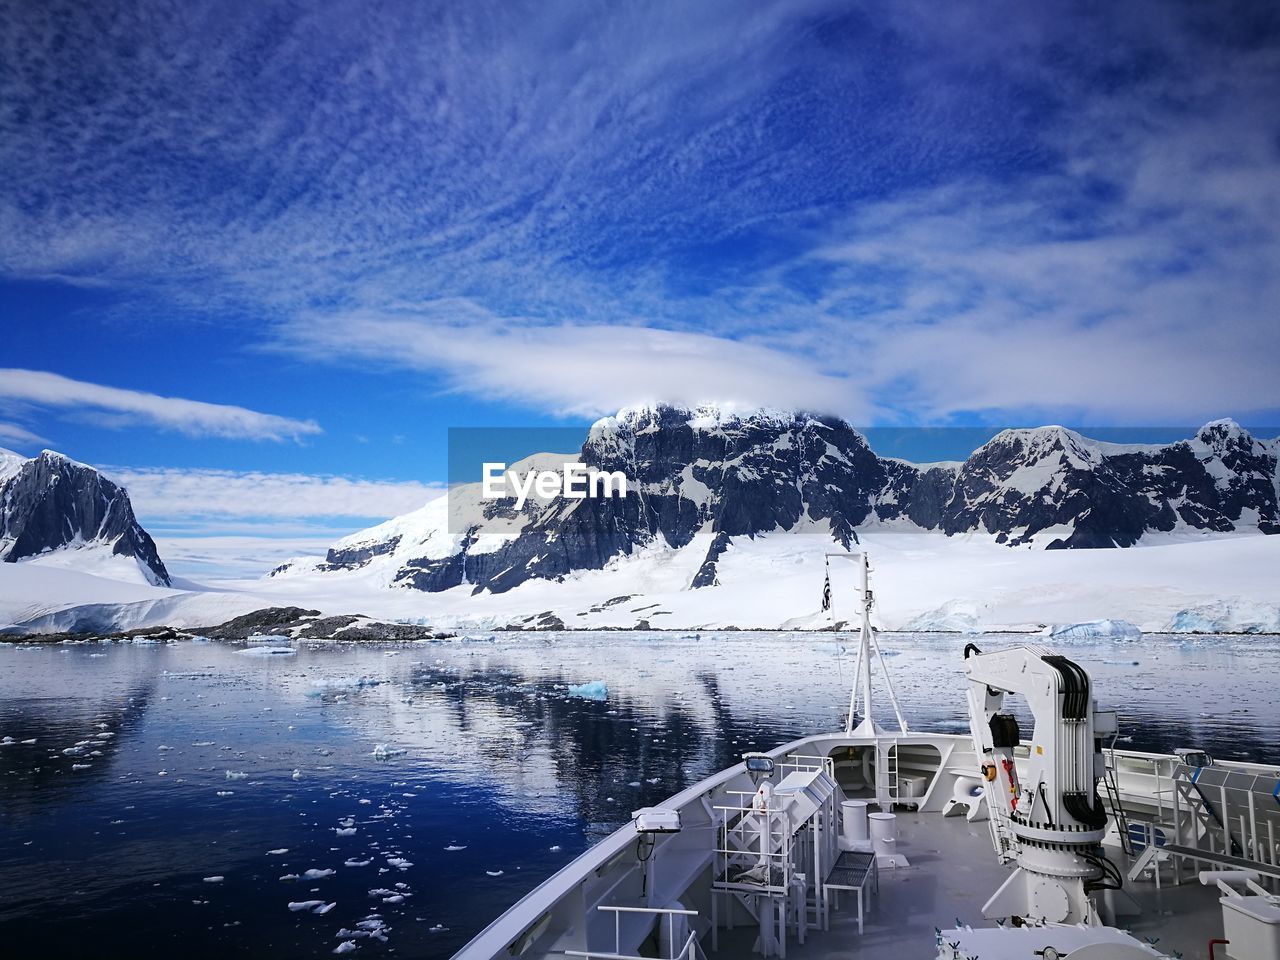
(594, 690)
(346, 946)
(267, 652)
(556, 849)
(341, 684)
(278, 851)
(237, 775)
(495, 873)
(290, 877)
(399, 862)
(297, 774)
(297, 906)
(325, 908)
(1095, 629)
(394, 898)
(270, 638)
(384, 751)
(357, 863)
(317, 874)
(453, 847)
(82, 766)
(226, 793)
(373, 926)
(344, 831)
(214, 879)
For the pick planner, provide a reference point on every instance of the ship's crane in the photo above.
(1049, 820)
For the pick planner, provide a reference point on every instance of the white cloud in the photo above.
(171, 494)
(241, 524)
(578, 369)
(16, 433)
(120, 406)
(234, 556)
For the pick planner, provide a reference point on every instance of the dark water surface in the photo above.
(155, 767)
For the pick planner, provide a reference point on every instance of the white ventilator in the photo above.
(1048, 819)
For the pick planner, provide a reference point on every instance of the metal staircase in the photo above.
(1118, 813)
(887, 773)
(1207, 822)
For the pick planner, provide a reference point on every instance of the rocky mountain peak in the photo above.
(701, 478)
(50, 502)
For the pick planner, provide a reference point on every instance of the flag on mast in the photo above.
(826, 590)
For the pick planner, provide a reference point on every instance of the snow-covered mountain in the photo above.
(53, 509)
(702, 479)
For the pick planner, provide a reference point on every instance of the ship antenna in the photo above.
(868, 646)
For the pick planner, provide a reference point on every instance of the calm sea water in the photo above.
(175, 797)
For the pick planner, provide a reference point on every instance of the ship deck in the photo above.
(952, 874)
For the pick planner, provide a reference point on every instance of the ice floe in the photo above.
(593, 690)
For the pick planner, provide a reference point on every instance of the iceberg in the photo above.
(595, 690)
(1094, 630)
(1228, 615)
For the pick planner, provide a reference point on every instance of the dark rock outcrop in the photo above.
(50, 502)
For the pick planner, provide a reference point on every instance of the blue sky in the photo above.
(337, 229)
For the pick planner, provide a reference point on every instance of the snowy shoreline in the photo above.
(923, 583)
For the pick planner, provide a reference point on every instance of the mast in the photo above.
(868, 645)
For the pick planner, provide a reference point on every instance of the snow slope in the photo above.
(923, 581)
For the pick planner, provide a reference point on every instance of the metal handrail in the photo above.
(690, 951)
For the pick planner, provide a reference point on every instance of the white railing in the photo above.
(805, 763)
(689, 951)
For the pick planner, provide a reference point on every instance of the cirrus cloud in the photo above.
(167, 493)
(191, 417)
(578, 369)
